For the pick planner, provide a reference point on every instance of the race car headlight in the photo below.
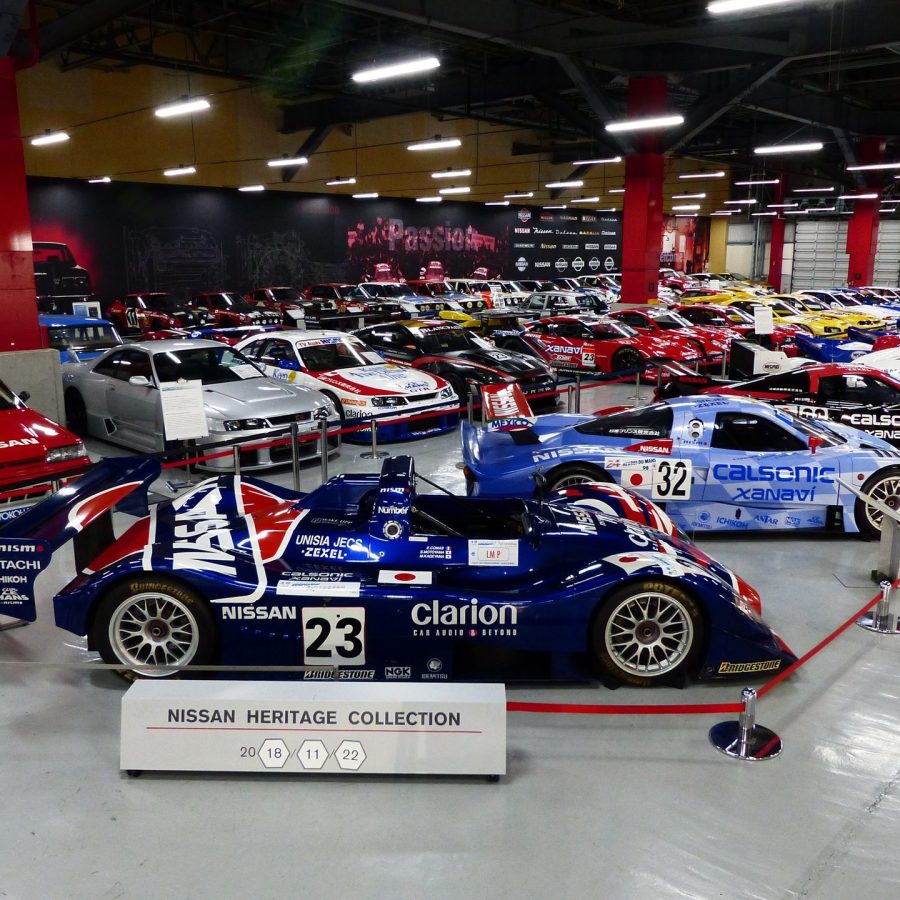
(383, 402)
(62, 454)
(447, 393)
(830, 330)
(320, 413)
(245, 424)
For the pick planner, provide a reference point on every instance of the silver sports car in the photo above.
(117, 398)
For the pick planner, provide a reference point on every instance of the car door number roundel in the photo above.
(672, 480)
(334, 635)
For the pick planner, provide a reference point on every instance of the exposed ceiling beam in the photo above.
(307, 148)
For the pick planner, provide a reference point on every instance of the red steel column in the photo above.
(862, 228)
(643, 207)
(18, 304)
(776, 248)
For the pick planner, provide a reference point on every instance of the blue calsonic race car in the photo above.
(370, 576)
(718, 463)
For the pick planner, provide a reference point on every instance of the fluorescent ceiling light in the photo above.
(396, 70)
(562, 206)
(739, 202)
(287, 161)
(616, 191)
(610, 209)
(685, 176)
(814, 190)
(857, 196)
(596, 162)
(371, 195)
(49, 137)
(722, 7)
(585, 200)
(688, 196)
(252, 188)
(646, 123)
(523, 196)
(808, 147)
(564, 184)
(429, 199)
(796, 212)
(104, 180)
(497, 203)
(436, 144)
(463, 189)
(180, 170)
(873, 166)
(764, 214)
(685, 216)
(181, 108)
(336, 181)
(723, 212)
(686, 206)
(755, 183)
(782, 205)
(823, 209)
(452, 173)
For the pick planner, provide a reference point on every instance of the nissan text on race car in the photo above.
(719, 463)
(358, 382)
(370, 576)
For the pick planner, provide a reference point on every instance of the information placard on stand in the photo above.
(184, 418)
(340, 727)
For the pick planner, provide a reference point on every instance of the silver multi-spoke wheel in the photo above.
(151, 632)
(566, 476)
(886, 490)
(649, 634)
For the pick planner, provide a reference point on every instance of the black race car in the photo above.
(463, 359)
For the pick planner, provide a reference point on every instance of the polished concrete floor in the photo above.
(611, 807)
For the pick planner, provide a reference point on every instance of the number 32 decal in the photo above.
(334, 635)
(672, 480)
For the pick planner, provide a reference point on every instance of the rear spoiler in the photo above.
(505, 408)
(80, 512)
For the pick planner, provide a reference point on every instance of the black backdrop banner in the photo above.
(141, 237)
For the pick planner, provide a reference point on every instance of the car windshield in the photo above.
(609, 329)
(286, 294)
(387, 290)
(447, 339)
(161, 302)
(83, 337)
(53, 253)
(435, 287)
(211, 365)
(813, 303)
(332, 353)
(782, 307)
(671, 320)
(7, 397)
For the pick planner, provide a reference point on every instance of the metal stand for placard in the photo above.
(14, 623)
(880, 620)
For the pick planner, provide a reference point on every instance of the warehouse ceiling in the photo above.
(539, 79)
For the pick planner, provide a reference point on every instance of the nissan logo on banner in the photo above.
(578, 264)
(521, 264)
(561, 265)
(593, 263)
(609, 264)
(524, 215)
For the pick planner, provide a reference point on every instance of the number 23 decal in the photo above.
(334, 635)
(672, 480)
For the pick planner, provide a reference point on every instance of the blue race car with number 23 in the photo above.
(367, 575)
(717, 463)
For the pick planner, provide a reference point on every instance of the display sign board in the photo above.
(182, 410)
(326, 726)
(87, 308)
(763, 320)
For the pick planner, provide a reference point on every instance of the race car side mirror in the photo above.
(139, 381)
(814, 443)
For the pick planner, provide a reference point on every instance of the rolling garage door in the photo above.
(820, 254)
(887, 259)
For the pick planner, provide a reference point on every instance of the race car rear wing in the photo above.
(80, 512)
(506, 408)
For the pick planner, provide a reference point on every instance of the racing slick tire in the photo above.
(625, 358)
(76, 413)
(153, 625)
(647, 633)
(575, 473)
(883, 486)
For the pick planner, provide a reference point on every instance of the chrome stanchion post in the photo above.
(880, 619)
(636, 396)
(375, 453)
(724, 363)
(470, 408)
(295, 454)
(236, 456)
(744, 739)
(323, 446)
(570, 390)
(578, 393)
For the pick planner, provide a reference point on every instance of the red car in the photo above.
(604, 345)
(226, 309)
(153, 311)
(284, 300)
(740, 324)
(34, 452)
(671, 278)
(706, 341)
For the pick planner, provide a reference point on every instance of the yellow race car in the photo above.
(816, 307)
(785, 313)
(714, 295)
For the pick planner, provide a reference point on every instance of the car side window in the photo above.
(634, 320)
(752, 434)
(276, 350)
(129, 363)
(853, 388)
(108, 365)
(253, 350)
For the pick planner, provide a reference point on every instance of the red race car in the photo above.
(604, 345)
(707, 342)
(285, 300)
(34, 452)
(741, 324)
(227, 309)
(153, 311)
